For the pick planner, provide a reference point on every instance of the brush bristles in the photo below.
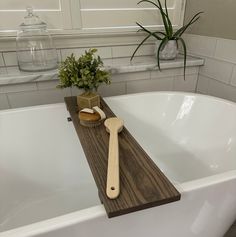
(90, 124)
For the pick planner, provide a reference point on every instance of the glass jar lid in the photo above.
(32, 21)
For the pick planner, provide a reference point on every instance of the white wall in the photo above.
(218, 76)
(218, 19)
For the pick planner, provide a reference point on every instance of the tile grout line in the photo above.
(8, 101)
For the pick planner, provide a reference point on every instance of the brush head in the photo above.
(90, 124)
(114, 124)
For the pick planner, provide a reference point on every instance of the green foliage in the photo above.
(168, 33)
(85, 73)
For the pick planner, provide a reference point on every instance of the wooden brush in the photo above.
(113, 126)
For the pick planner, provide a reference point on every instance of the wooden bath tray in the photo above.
(142, 184)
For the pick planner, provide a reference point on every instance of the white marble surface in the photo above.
(12, 75)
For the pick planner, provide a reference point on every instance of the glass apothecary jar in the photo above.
(35, 48)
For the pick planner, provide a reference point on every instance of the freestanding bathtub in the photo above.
(47, 189)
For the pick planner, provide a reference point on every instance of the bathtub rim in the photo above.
(97, 211)
(56, 223)
(34, 107)
(62, 104)
(173, 93)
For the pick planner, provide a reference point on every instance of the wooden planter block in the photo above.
(88, 100)
(142, 184)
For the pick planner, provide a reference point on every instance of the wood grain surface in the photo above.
(142, 184)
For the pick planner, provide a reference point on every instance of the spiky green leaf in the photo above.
(149, 32)
(163, 14)
(185, 54)
(195, 18)
(143, 41)
(162, 44)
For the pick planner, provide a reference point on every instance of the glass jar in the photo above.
(35, 48)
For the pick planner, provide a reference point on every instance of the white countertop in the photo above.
(12, 75)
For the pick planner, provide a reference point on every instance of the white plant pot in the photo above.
(169, 52)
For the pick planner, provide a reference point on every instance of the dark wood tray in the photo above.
(142, 184)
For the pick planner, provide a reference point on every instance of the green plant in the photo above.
(168, 33)
(85, 73)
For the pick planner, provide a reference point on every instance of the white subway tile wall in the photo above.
(233, 78)
(218, 76)
(174, 72)
(1, 61)
(122, 77)
(202, 85)
(218, 70)
(3, 70)
(160, 84)
(18, 87)
(187, 85)
(226, 50)
(217, 88)
(117, 88)
(59, 55)
(44, 85)
(43, 92)
(200, 45)
(4, 104)
(29, 98)
(10, 58)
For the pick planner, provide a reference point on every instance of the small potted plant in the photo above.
(167, 41)
(85, 73)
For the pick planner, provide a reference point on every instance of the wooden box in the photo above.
(88, 100)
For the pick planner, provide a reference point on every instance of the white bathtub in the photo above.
(47, 189)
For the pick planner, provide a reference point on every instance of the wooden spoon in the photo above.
(113, 126)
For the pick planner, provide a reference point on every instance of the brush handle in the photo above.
(113, 176)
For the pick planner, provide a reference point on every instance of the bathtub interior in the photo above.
(43, 170)
(189, 137)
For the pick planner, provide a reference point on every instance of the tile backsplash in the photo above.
(45, 92)
(10, 58)
(4, 104)
(125, 79)
(33, 92)
(1, 60)
(218, 76)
